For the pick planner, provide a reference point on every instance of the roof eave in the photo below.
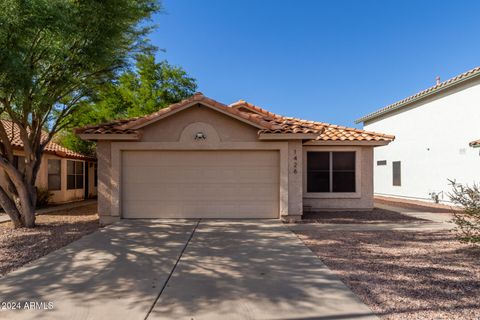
(109, 136)
(387, 109)
(287, 136)
(346, 142)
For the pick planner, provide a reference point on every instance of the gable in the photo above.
(169, 129)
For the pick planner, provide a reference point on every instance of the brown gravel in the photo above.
(404, 275)
(53, 231)
(374, 216)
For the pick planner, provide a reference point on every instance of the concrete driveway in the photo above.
(158, 269)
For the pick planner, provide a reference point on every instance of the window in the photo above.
(331, 171)
(397, 173)
(74, 174)
(382, 163)
(54, 176)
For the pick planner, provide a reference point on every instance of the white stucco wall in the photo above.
(431, 142)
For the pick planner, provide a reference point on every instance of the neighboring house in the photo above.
(433, 129)
(202, 159)
(68, 175)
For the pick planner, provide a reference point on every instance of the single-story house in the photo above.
(200, 158)
(67, 175)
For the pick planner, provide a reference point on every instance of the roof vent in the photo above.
(438, 80)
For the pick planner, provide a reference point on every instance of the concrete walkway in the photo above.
(435, 222)
(207, 269)
(65, 206)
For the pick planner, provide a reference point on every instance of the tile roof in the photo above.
(475, 143)
(268, 123)
(473, 73)
(52, 147)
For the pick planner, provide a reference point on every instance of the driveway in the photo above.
(173, 269)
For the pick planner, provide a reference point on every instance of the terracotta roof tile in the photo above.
(269, 123)
(52, 147)
(473, 73)
(475, 143)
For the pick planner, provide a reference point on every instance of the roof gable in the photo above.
(268, 123)
(53, 148)
(440, 87)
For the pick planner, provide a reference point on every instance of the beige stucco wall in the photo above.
(223, 132)
(228, 129)
(58, 196)
(361, 200)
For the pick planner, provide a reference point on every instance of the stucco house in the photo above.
(433, 130)
(203, 159)
(67, 175)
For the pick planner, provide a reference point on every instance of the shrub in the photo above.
(468, 218)
(43, 197)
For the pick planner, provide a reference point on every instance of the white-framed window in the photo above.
(54, 174)
(331, 172)
(74, 174)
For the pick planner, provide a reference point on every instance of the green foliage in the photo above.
(43, 197)
(54, 53)
(148, 87)
(468, 219)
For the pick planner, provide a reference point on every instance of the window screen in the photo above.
(397, 173)
(54, 176)
(74, 174)
(330, 171)
(382, 163)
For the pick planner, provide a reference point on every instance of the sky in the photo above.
(329, 61)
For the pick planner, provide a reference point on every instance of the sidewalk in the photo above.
(53, 208)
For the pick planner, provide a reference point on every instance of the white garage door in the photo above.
(200, 184)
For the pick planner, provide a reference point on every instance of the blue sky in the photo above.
(330, 61)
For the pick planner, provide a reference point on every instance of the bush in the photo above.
(468, 218)
(43, 197)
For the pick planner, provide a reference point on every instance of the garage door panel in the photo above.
(172, 209)
(209, 184)
(222, 158)
(212, 192)
(201, 174)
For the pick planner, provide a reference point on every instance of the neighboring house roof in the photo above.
(475, 143)
(52, 147)
(267, 122)
(473, 73)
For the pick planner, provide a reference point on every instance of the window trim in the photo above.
(76, 175)
(59, 174)
(334, 195)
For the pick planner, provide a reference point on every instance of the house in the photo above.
(66, 174)
(433, 129)
(202, 159)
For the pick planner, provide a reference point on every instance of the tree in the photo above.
(148, 87)
(53, 55)
(468, 218)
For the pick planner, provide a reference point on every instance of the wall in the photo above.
(63, 195)
(58, 196)
(362, 199)
(177, 132)
(431, 141)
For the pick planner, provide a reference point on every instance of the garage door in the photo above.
(200, 184)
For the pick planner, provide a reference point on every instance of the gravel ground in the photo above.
(404, 275)
(53, 231)
(416, 205)
(374, 216)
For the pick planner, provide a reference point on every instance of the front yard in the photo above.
(402, 274)
(53, 231)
